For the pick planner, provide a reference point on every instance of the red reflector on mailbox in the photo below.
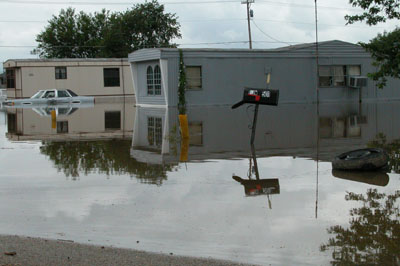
(259, 96)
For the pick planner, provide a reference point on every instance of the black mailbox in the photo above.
(259, 96)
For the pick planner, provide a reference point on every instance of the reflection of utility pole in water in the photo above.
(317, 86)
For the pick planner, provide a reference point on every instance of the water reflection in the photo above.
(255, 186)
(377, 178)
(58, 123)
(392, 148)
(105, 157)
(373, 236)
(217, 132)
(197, 209)
(84, 141)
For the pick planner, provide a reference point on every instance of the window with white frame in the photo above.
(157, 80)
(153, 77)
(193, 77)
(154, 131)
(336, 76)
(150, 81)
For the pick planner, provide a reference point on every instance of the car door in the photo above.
(50, 97)
(63, 96)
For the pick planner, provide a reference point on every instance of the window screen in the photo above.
(62, 126)
(193, 77)
(111, 77)
(61, 72)
(112, 120)
(10, 75)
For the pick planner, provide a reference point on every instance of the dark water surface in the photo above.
(119, 175)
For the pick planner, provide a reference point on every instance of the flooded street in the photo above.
(118, 175)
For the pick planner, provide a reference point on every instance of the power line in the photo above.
(269, 36)
(230, 20)
(307, 6)
(44, 2)
(179, 44)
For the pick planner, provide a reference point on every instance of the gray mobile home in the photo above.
(218, 132)
(218, 76)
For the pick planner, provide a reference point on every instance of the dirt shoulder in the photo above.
(26, 251)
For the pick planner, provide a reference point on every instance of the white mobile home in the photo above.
(95, 77)
(218, 76)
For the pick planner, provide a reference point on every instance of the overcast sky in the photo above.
(204, 23)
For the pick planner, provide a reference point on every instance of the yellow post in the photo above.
(183, 123)
(53, 119)
(184, 150)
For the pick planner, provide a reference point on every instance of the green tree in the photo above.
(106, 34)
(384, 48)
(373, 237)
(72, 35)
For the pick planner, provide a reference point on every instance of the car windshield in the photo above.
(37, 95)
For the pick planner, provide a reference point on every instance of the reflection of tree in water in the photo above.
(393, 150)
(373, 237)
(106, 157)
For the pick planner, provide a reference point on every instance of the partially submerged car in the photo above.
(50, 97)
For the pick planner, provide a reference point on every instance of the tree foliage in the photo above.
(104, 157)
(375, 11)
(384, 48)
(106, 34)
(392, 148)
(373, 237)
(182, 85)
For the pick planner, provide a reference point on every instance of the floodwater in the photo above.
(120, 175)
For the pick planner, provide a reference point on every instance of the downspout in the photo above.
(20, 73)
(123, 106)
(123, 78)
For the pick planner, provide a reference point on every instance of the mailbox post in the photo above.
(257, 97)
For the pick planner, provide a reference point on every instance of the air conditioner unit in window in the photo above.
(357, 81)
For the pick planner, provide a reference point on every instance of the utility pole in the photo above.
(248, 2)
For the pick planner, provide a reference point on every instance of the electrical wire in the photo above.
(269, 36)
(232, 19)
(44, 2)
(178, 44)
